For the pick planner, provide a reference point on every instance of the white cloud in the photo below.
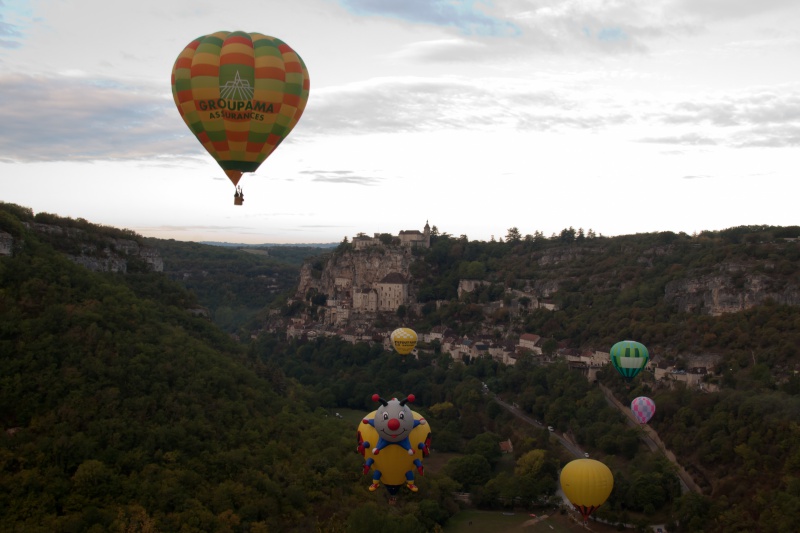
(60, 118)
(468, 16)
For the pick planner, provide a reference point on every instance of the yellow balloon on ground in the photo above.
(587, 484)
(404, 340)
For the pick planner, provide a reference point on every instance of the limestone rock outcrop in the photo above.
(99, 253)
(729, 291)
(346, 271)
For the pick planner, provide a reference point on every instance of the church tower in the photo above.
(427, 234)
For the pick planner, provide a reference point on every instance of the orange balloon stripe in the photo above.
(183, 62)
(234, 58)
(294, 68)
(291, 99)
(238, 39)
(204, 69)
(275, 73)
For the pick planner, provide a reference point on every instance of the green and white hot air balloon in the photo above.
(629, 358)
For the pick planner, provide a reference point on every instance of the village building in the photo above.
(392, 292)
(437, 333)
(506, 446)
(409, 238)
(530, 341)
(416, 238)
(469, 285)
(692, 377)
(365, 299)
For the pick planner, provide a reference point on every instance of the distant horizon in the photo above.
(331, 244)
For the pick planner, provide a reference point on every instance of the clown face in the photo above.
(394, 421)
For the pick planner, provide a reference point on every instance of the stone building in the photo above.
(365, 299)
(409, 238)
(530, 341)
(416, 238)
(392, 292)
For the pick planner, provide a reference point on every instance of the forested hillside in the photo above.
(122, 410)
(235, 285)
(734, 293)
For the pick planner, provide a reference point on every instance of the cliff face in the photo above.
(6, 243)
(730, 291)
(354, 269)
(99, 253)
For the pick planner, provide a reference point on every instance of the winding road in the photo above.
(648, 435)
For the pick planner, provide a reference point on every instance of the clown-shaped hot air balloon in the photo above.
(404, 340)
(587, 484)
(643, 409)
(393, 440)
(240, 94)
(629, 358)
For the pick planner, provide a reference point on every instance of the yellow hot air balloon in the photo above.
(587, 484)
(404, 340)
(240, 94)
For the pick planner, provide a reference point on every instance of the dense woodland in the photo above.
(235, 285)
(122, 411)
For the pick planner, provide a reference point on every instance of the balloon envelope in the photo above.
(629, 358)
(393, 461)
(240, 94)
(643, 409)
(587, 484)
(404, 340)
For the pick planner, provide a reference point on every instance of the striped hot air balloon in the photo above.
(629, 358)
(240, 94)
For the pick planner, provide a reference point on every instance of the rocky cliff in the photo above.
(730, 291)
(354, 269)
(100, 253)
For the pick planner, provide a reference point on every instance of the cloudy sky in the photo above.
(623, 116)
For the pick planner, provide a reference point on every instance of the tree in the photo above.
(444, 411)
(513, 235)
(530, 463)
(567, 235)
(469, 470)
(692, 511)
(487, 445)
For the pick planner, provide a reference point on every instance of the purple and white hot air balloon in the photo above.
(643, 409)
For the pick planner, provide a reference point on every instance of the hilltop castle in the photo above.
(410, 238)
